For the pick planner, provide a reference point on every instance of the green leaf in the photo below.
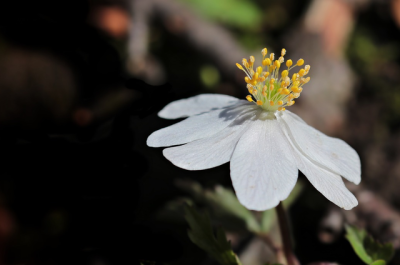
(223, 203)
(367, 249)
(379, 262)
(201, 234)
(236, 13)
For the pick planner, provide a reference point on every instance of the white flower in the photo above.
(265, 146)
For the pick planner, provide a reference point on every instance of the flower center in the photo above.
(269, 90)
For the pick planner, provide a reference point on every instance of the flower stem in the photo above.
(285, 235)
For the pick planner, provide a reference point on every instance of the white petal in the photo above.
(261, 169)
(195, 105)
(332, 154)
(198, 126)
(328, 183)
(211, 151)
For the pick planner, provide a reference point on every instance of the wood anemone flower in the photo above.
(265, 144)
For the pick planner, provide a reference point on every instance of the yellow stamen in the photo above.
(252, 59)
(270, 88)
(300, 62)
(266, 62)
(307, 68)
(239, 66)
(272, 56)
(295, 89)
(264, 52)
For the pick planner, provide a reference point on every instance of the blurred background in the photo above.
(81, 83)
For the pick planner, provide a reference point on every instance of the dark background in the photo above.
(81, 83)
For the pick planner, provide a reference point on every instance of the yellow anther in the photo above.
(300, 89)
(255, 76)
(307, 68)
(287, 81)
(302, 72)
(271, 87)
(272, 81)
(249, 98)
(266, 74)
(290, 103)
(279, 90)
(254, 82)
(259, 102)
(244, 62)
(271, 103)
(272, 68)
(239, 66)
(247, 79)
(294, 77)
(280, 102)
(261, 79)
(264, 52)
(272, 56)
(306, 80)
(251, 91)
(300, 62)
(266, 62)
(281, 109)
(289, 63)
(291, 96)
(283, 52)
(284, 73)
(277, 64)
(295, 89)
(296, 83)
(259, 70)
(281, 59)
(285, 91)
(252, 59)
(283, 84)
(296, 95)
(264, 88)
(249, 86)
(251, 72)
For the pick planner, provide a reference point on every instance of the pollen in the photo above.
(272, 89)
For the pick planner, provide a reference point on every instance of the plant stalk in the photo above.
(285, 235)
